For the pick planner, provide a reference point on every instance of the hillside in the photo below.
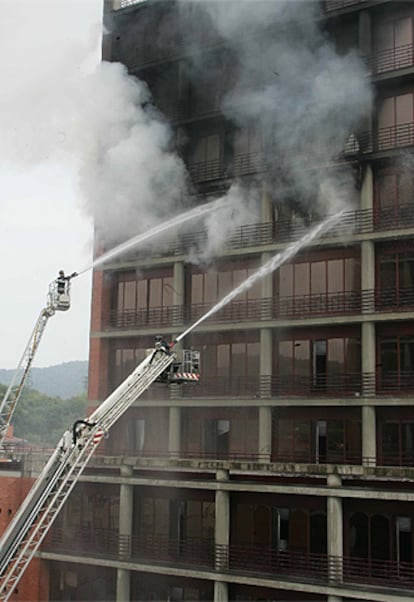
(41, 420)
(62, 380)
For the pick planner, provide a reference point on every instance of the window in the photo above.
(396, 280)
(397, 362)
(398, 442)
(332, 364)
(137, 300)
(216, 437)
(395, 118)
(231, 361)
(393, 43)
(319, 277)
(211, 286)
(394, 198)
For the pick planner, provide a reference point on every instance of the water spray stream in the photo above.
(271, 265)
(178, 220)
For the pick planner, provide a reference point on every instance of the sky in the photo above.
(43, 221)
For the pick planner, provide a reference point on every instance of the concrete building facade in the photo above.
(287, 472)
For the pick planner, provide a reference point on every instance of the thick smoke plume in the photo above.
(289, 84)
(283, 80)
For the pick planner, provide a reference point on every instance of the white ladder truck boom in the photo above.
(57, 479)
(58, 300)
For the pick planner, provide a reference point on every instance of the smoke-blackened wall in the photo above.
(287, 81)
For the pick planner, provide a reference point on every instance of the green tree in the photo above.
(41, 420)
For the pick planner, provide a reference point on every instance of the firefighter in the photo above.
(62, 281)
(162, 345)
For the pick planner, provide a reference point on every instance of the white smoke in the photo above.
(289, 83)
(62, 105)
(240, 207)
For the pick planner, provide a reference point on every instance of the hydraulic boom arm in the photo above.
(58, 300)
(57, 479)
(16, 386)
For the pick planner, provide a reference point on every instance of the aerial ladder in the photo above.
(58, 299)
(34, 518)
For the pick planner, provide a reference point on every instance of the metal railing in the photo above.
(391, 59)
(401, 382)
(378, 572)
(32, 459)
(394, 218)
(271, 308)
(363, 221)
(293, 385)
(352, 384)
(237, 558)
(395, 299)
(331, 5)
(206, 170)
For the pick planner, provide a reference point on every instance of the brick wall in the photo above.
(34, 585)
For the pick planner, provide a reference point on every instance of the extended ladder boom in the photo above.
(58, 299)
(57, 479)
(18, 381)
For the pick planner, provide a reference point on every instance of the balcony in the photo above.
(332, 5)
(205, 171)
(292, 385)
(381, 139)
(237, 559)
(363, 221)
(396, 383)
(394, 218)
(391, 59)
(323, 305)
(322, 386)
(393, 299)
(247, 310)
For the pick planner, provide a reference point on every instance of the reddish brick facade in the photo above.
(34, 585)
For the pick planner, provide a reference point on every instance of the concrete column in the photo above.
(176, 391)
(221, 591)
(123, 585)
(174, 431)
(267, 206)
(368, 358)
(222, 522)
(335, 530)
(369, 436)
(367, 246)
(368, 276)
(126, 498)
(267, 292)
(367, 188)
(178, 292)
(265, 434)
(365, 33)
(266, 361)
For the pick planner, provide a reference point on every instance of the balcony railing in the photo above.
(354, 384)
(250, 310)
(331, 5)
(362, 221)
(34, 459)
(238, 559)
(322, 385)
(394, 218)
(204, 171)
(394, 299)
(396, 382)
(310, 456)
(391, 59)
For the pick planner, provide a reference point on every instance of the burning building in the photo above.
(286, 472)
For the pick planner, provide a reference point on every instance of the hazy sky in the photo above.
(44, 226)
